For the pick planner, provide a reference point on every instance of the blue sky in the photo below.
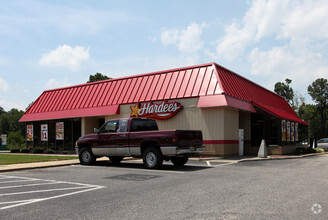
(51, 44)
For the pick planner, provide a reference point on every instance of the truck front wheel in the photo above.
(86, 156)
(152, 158)
(179, 161)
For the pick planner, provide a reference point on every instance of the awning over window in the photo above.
(73, 113)
(280, 114)
(224, 100)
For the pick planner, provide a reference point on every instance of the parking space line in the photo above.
(79, 187)
(53, 197)
(44, 190)
(34, 184)
(19, 201)
(225, 164)
(16, 181)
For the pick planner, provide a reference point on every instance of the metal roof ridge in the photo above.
(238, 75)
(130, 77)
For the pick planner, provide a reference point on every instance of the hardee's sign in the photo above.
(161, 111)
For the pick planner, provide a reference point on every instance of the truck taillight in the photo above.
(175, 139)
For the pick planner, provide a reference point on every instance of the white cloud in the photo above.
(7, 105)
(262, 19)
(279, 19)
(66, 56)
(53, 83)
(187, 40)
(306, 19)
(233, 43)
(279, 39)
(301, 65)
(4, 86)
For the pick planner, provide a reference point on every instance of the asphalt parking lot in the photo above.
(281, 189)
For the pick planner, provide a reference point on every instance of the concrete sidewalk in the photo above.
(237, 159)
(240, 159)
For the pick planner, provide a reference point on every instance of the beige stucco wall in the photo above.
(88, 124)
(216, 123)
(209, 120)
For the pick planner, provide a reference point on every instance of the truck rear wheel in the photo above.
(179, 161)
(86, 156)
(152, 158)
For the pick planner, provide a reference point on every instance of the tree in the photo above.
(2, 110)
(284, 90)
(4, 124)
(9, 122)
(14, 126)
(97, 77)
(318, 90)
(310, 114)
(15, 140)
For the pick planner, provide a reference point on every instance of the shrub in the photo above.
(14, 150)
(25, 150)
(300, 150)
(314, 150)
(38, 151)
(15, 140)
(310, 150)
(50, 151)
(318, 150)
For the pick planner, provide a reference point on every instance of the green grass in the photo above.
(14, 159)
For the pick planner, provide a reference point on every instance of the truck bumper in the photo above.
(174, 151)
(190, 150)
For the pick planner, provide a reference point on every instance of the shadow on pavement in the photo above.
(139, 165)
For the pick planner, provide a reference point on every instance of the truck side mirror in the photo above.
(96, 130)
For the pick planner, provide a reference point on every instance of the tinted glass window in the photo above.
(122, 125)
(110, 127)
(143, 125)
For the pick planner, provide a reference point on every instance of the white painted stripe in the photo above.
(19, 201)
(45, 190)
(225, 164)
(16, 177)
(45, 180)
(34, 184)
(53, 197)
(208, 163)
(17, 181)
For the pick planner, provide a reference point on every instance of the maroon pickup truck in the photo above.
(139, 137)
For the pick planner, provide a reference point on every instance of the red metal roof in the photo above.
(104, 97)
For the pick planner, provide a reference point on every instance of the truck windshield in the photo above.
(143, 125)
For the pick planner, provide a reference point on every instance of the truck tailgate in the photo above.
(189, 138)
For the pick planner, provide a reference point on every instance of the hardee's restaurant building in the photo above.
(234, 113)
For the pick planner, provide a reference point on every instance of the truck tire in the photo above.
(86, 156)
(152, 158)
(179, 161)
(116, 160)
